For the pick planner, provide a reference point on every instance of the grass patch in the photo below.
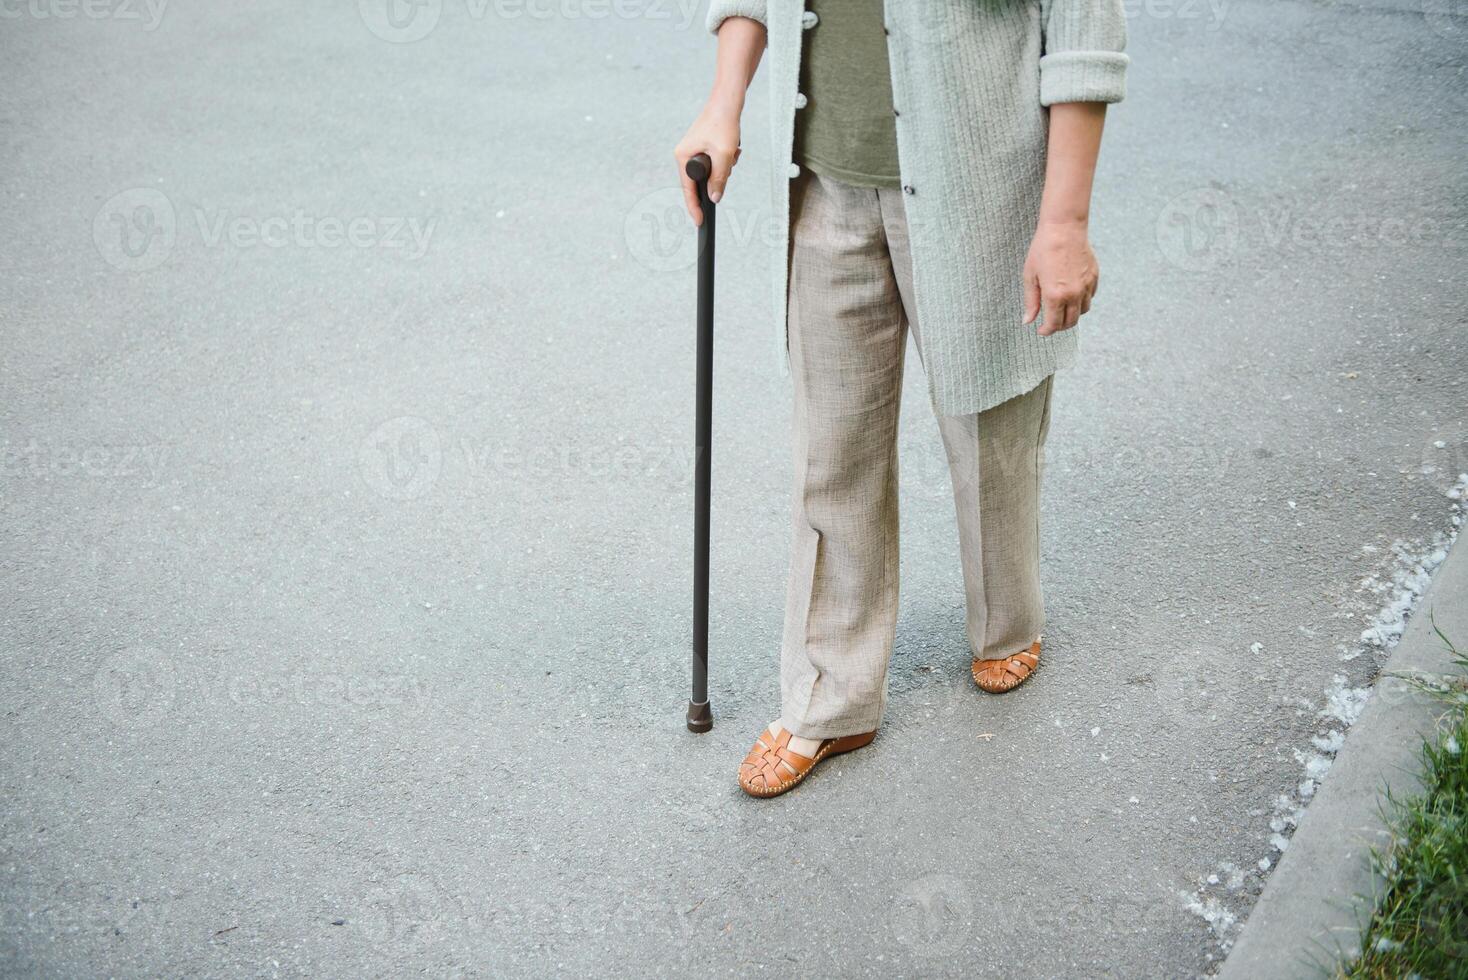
(1421, 927)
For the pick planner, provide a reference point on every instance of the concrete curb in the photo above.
(1314, 906)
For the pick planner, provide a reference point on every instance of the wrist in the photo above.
(1065, 221)
(725, 102)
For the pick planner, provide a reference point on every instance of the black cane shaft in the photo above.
(700, 715)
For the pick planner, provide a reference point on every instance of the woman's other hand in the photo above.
(1061, 276)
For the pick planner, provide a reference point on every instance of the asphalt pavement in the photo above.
(345, 563)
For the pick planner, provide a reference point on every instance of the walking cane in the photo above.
(700, 715)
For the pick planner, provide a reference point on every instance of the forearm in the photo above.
(716, 130)
(741, 45)
(1070, 163)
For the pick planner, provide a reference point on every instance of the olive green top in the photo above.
(846, 129)
(972, 79)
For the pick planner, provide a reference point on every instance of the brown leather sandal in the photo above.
(1007, 673)
(771, 768)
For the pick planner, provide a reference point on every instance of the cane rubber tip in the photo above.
(700, 716)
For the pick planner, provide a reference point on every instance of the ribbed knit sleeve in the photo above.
(1083, 60)
(722, 10)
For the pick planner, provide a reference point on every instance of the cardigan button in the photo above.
(800, 100)
(809, 19)
(794, 170)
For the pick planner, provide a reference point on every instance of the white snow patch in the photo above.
(1397, 595)
(1286, 817)
(1220, 920)
(1330, 743)
(1233, 876)
(1316, 765)
(1342, 703)
(1408, 581)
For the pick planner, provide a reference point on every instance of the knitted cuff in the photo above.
(1083, 76)
(722, 10)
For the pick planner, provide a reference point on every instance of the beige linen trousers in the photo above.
(850, 306)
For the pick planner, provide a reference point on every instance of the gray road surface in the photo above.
(344, 562)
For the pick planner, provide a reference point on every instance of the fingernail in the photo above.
(715, 195)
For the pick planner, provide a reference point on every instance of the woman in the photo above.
(940, 157)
